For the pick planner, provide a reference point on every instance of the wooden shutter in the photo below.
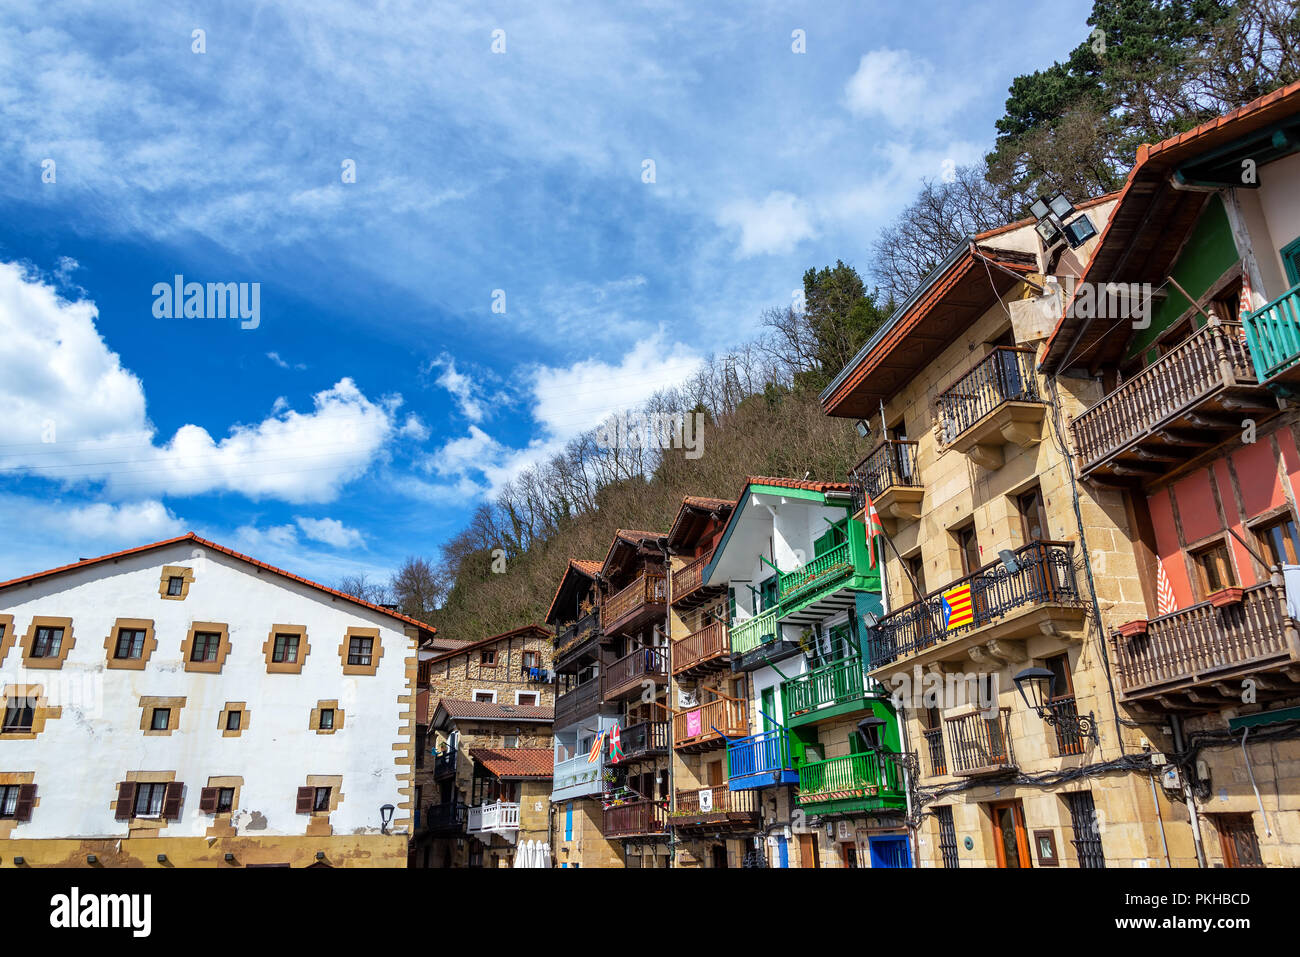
(171, 809)
(125, 800)
(208, 800)
(306, 800)
(26, 801)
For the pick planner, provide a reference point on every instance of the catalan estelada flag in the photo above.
(595, 749)
(958, 609)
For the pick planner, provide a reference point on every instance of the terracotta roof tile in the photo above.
(809, 485)
(191, 537)
(459, 708)
(516, 762)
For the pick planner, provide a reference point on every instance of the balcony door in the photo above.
(1010, 842)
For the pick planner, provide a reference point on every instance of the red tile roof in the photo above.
(629, 536)
(191, 537)
(516, 762)
(543, 632)
(810, 485)
(459, 708)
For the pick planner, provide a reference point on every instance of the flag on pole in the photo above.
(1165, 600)
(595, 749)
(1245, 307)
(874, 527)
(615, 745)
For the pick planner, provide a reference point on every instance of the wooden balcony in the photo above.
(716, 810)
(446, 818)
(577, 641)
(993, 405)
(500, 817)
(1007, 608)
(648, 739)
(577, 703)
(632, 608)
(1274, 337)
(1192, 398)
(702, 652)
(708, 726)
(980, 745)
(890, 478)
(444, 764)
(634, 672)
(688, 584)
(1195, 658)
(635, 819)
(825, 692)
(760, 761)
(853, 782)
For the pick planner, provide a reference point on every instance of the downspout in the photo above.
(1177, 725)
(1245, 733)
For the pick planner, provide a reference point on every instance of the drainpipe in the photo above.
(1245, 733)
(907, 789)
(1176, 723)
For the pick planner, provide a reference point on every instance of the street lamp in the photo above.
(385, 817)
(1040, 684)
(872, 729)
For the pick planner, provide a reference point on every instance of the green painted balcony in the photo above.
(825, 571)
(1273, 335)
(826, 692)
(749, 634)
(857, 782)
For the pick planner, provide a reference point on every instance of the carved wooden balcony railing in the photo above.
(576, 639)
(636, 819)
(688, 581)
(726, 810)
(704, 650)
(1191, 396)
(645, 739)
(1194, 647)
(634, 605)
(708, 726)
(576, 703)
(979, 744)
(635, 671)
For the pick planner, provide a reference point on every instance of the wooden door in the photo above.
(808, 851)
(715, 774)
(1009, 837)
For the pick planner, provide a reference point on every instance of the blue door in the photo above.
(890, 852)
(783, 852)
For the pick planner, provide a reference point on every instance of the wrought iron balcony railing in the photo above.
(980, 744)
(891, 463)
(446, 818)
(1005, 375)
(1044, 575)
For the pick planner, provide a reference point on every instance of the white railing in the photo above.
(501, 816)
(577, 777)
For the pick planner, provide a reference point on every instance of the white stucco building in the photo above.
(179, 703)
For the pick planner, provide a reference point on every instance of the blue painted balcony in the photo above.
(760, 761)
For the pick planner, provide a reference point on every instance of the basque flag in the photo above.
(958, 609)
(874, 527)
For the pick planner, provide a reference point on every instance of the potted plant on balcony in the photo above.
(1131, 629)
(1225, 597)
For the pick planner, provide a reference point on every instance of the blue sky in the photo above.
(380, 397)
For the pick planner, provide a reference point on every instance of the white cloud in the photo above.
(462, 388)
(330, 531)
(275, 357)
(901, 88)
(414, 428)
(775, 225)
(70, 412)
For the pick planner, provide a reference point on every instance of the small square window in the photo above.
(46, 643)
(205, 646)
(487, 697)
(225, 798)
(511, 741)
(531, 660)
(161, 719)
(322, 800)
(326, 720)
(487, 658)
(175, 585)
(130, 643)
(233, 720)
(527, 697)
(149, 800)
(9, 800)
(360, 650)
(286, 649)
(18, 717)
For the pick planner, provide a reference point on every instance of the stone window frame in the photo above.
(6, 636)
(18, 779)
(319, 822)
(147, 705)
(222, 821)
(146, 777)
(110, 644)
(41, 710)
(536, 696)
(65, 645)
(376, 651)
(223, 647)
(313, 723)
(233, 706)
(286, 667)
(184, 573)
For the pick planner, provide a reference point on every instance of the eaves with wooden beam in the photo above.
(1163, 197)
(960, 290)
